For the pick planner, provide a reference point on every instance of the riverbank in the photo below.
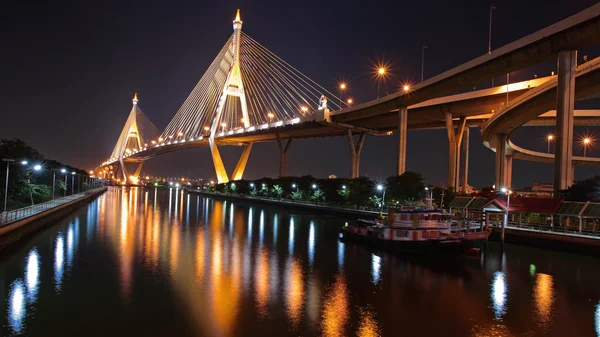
(572, 243)
(15, 231)
(318, 208)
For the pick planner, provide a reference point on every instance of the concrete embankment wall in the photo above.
(548, 240)
(318, 209)
(13, 233)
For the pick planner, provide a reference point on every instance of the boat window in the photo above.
(425, 234)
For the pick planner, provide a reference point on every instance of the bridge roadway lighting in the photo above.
(406, 88)
(349, 101)
(270, 115)
(304, 109)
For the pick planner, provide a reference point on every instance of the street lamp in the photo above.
(343, 187)
(505, 222)
(382, 190)
(587, 141)
(380, 75)
(350, 101)
(314, 186)
(549, 139)
(342, 88)
(72, 182)
(430, 199)
(294, 185)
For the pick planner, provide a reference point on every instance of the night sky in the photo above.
(69, 71)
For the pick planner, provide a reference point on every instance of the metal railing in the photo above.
(25, 212)
(316, 204)
(548, 229)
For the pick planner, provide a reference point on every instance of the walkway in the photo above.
(21, 213)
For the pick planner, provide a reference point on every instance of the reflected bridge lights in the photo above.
(16, 310)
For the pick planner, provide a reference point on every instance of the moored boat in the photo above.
(416, 230)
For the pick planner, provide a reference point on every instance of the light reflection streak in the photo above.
(59, 253)
(170, 200)
(261, 229)
(294, 291)
(32, 274)
(544, 298)
(250, 226)
(291, 237)
(597, 319)
(375, 268)
(155, 194)
(499, 291)
(231, 209)
(16, 310)
(261, 282)
(340, 254)
(187, 211)
(368, 325)
(275, 227)
(70, 245)
(336, 309)
(311, 243)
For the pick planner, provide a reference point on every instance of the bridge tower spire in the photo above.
(234, 86)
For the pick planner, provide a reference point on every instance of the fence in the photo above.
(21, 213)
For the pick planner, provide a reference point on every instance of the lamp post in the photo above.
(72, 182)
(342, 88)
(380, 75)
(429, 197)
(549, 139)
(66, 175)
(587, 141)
(382, 190)
(8, 163)
(505, 222)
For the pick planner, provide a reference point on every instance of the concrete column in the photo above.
(402, 132)
(508, 173)
(355, 153)
(124, 170)
(238, 172)
(283, 152)
(565, 105)
(500, 166)
(138, 170)
(454, 142)
(465, 161)
(218, 162)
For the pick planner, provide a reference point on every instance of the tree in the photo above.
(344, 193)
(317, 195)
(405, 186)
(277, 191)
(297, 195)
(584, 190)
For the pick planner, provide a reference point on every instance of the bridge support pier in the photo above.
(124, 171)
(136, 175)
(503, 165)
(402, 132)
(465, 161)
(218, 162)
(283, 152)
(565, 105)
(355, 153)
(238, 172)
(454, 142)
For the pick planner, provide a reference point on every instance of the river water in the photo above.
(159, 263)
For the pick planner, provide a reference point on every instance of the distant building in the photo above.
(536, 191)
(332, 176)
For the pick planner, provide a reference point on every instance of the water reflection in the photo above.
(375, 268)
(32, 274)
(368, 324)
(294, 290)
(597, 319)
(311, 242)
(215, 278)
(59, 252)
(16, 308)
(336, 308)
(544, 298)
(499, 290)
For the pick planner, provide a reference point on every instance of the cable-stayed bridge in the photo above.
(248, 95)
